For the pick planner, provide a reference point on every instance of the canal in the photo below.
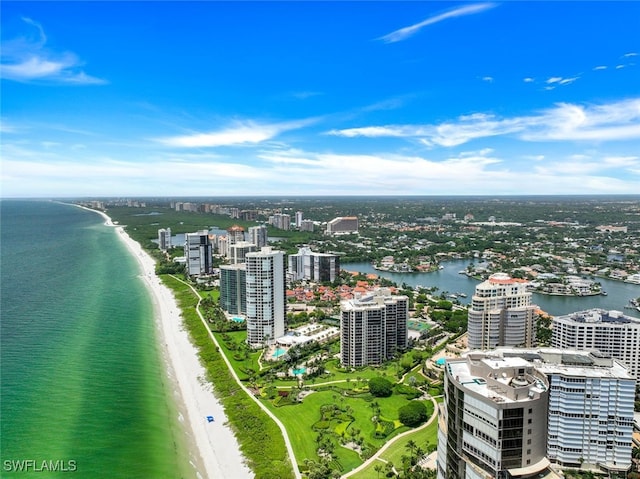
(449, 280)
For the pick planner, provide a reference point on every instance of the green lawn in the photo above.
(239, 366)
(300, 418)
(423, 438)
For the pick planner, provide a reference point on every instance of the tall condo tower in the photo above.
(198, 252)
(164, 239)
(501, 314)
(512, 412)
(235, 234)
(266, 296)
(258, 236)
(610, 332)
(238, 251)
(233, 288)
(373, 328)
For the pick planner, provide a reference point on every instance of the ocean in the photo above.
(84, 388)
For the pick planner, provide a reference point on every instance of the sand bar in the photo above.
(218, 454)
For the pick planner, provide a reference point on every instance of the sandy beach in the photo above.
(218, 453)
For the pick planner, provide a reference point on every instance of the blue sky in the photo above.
(319, 98)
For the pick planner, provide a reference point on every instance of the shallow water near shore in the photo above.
(84, 386)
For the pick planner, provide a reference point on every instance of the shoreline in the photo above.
(217, 452)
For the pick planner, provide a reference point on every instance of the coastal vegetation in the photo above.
(259, 437)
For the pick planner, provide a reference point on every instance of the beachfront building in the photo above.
(299, 216)
(198, 252)
(610, 332)
(590, 414)
(513, 412)
(266, 296)
(501, 314)
(490, 423)
(164, 239)
(233, 288)
(373, 328)
(312, 266)
(258, 236)
(342, 225)
(238, 251)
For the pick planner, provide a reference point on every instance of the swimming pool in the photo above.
(299, 371)
(237, 319)
(278, 352)
(441, 361)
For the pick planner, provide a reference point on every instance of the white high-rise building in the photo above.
(342, 224)
(610, 332)
(309, 265)
(501, 314)
(281, 221)
(198, 252)
(164, 239)
(235, 234)
(512, 412)
(298, 218)
(238, 251)
(266, 296)
(373, 328)
(258, 236)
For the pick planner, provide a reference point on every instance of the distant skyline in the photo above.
(319, 98)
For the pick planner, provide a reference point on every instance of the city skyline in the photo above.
(319, 98)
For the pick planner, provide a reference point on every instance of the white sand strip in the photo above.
(218, 449)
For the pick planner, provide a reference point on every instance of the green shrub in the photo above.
(380, 387)
(413, 414)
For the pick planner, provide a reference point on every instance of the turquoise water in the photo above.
(299, 371)
(237, 319)
(278, 352)
(82, 377)
(441, 361)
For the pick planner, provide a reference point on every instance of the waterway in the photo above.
(449, 281)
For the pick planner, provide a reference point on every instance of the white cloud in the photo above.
(240, 133)
(303, 95)
(27, 60)
(567, 81)
(49, 172)
(376, 131)
(589, 165)
(607, 122)
(528, 80)
(488, 79)
(7, 127)
(630, 54)
(560, 81)
(406, 32)
(618, 67)
(600, 67)
(565, 121)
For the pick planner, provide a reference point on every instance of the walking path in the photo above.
(380, 451)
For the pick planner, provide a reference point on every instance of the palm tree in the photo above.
(411, 446)
(377, 468)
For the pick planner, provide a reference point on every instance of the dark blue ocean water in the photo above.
(83, 384)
